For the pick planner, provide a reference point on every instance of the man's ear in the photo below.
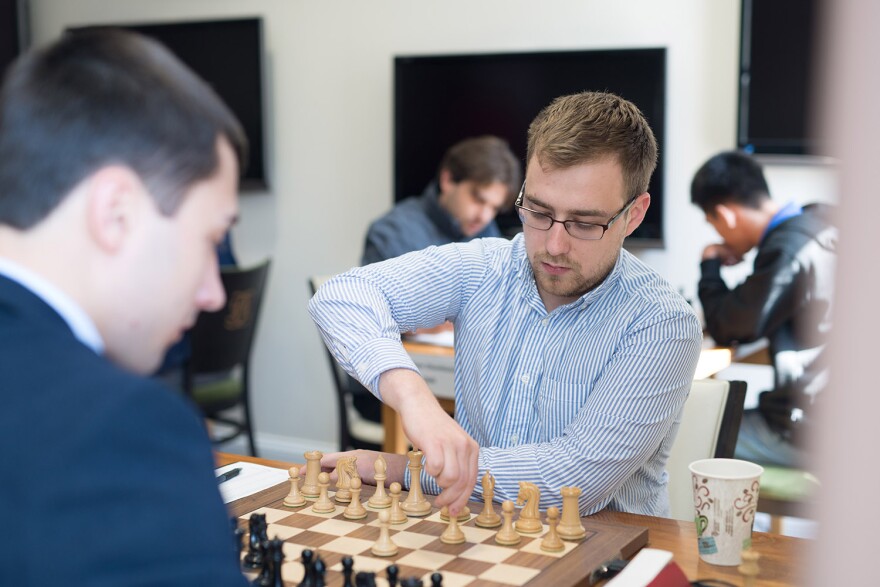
(111, 205)
(727, 215)
(637, 212)
(446, 182)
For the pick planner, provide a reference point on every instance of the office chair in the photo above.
(217, 374)
(709, 427)
(355, 431)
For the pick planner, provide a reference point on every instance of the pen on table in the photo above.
(228, 475)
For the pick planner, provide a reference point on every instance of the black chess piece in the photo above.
(238, 534)
(255, 555)
(348, 571)
(276, 554)
(365, 579)
(436, 580)
(265, 575)
(308, 571)
(391, 572)
(412, 582)
(319, 573)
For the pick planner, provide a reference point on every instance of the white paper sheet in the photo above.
(252, 479)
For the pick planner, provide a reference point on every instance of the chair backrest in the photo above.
(222, 340)
(709, 427)
(350, 422)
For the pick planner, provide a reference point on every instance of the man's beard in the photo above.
(572, 285)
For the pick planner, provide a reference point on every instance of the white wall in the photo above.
(330, 116)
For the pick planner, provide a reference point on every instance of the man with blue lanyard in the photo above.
(786, 299)
(572, 358)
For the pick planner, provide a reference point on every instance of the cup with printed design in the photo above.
(725, 502)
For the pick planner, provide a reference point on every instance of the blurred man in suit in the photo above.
(787, 298)
(118, 179)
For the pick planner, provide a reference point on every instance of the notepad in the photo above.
(252, 479)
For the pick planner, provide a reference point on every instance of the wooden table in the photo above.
(781, 561)
(712, 360)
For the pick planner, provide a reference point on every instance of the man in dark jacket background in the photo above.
(787, 298)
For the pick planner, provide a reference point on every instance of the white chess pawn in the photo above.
(323, 505)
(384, 546)
(398, 516)
(453, 533)
(355, 511)
(295, 498)
(507, 535)
(552, 542)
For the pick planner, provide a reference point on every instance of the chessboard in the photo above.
(478, 562)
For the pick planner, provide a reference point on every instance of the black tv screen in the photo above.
(228, 55)
(12, 31)
(440, 100)
(777, 58)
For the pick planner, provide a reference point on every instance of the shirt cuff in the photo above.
(710, 267)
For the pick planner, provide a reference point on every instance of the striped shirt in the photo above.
(589, 395)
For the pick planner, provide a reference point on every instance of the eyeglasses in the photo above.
(580, 230)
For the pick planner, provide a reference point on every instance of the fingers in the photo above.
(454, 464)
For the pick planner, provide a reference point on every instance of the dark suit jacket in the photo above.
(106, 478)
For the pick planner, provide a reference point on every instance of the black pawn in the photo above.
(277, 555)
(264, 578)
(436, 580)
(319, 570)
(365, 579)
(347, 571)
(255, 555)
(411, 582)
(392, 571)
(308, 578)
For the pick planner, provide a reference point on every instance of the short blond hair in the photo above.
(590, 126)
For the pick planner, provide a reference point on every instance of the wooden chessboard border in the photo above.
(610, 540)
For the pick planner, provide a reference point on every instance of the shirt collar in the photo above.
(788, 211)
(77, 320)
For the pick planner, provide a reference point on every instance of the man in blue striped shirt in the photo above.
(572, 358)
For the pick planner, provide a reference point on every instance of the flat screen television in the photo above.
(440, 100)
(13, 31)
(228, 54)
(777, 70)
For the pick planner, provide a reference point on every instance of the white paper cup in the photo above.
(725, 500)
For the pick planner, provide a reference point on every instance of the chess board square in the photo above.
(509, 574)
(292, 572)
(474, 534)
(534, 547)
(488, 553)
(313, 540)
(337, 509)
(532, 560)
(426, 559)
(405, 526)
(451, 579)
(336, 526)
(272, 515)
(347, 545)
(430, 528)
(412, 540)
(281, 531)
(464, 566)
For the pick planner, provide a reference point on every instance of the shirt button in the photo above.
(545, 322)
(524, 378)
(514, 438)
